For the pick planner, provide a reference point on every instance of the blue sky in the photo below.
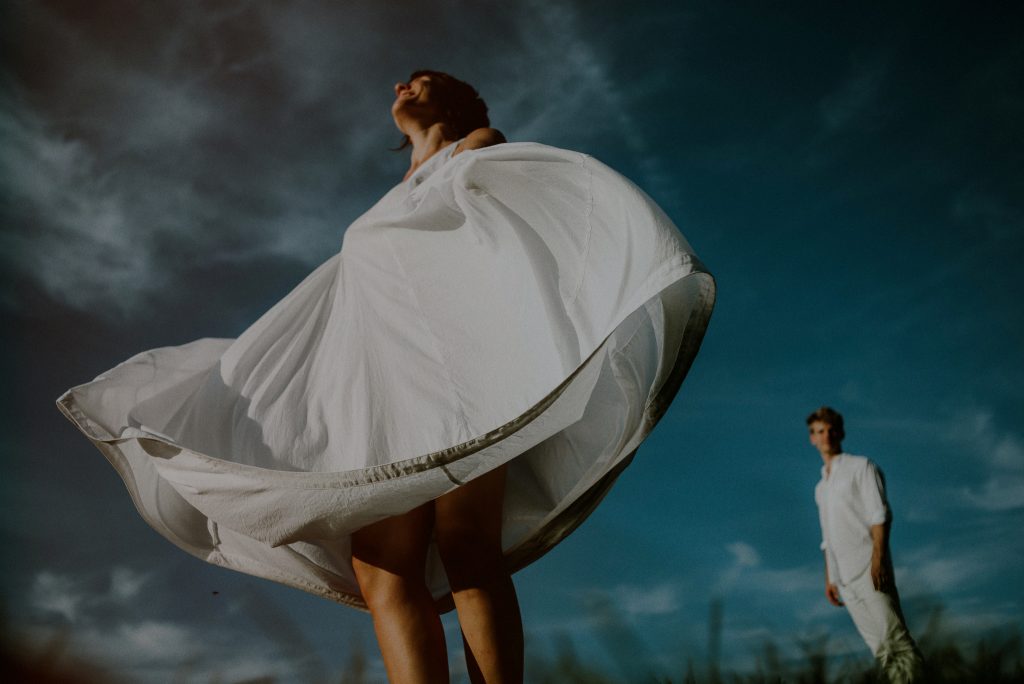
(852, 177)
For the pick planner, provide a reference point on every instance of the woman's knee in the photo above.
(382, 587)
(389, 557)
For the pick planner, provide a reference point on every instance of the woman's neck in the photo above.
(426, 142)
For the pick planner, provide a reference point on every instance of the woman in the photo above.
(436, 111)
(434, 407)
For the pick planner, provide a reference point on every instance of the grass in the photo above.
(996, 658)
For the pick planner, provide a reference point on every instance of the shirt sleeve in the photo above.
(830, 567)
(872, 493)
(821, 516)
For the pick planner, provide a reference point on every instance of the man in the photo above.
(855, 521)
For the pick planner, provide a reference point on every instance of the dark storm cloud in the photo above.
(121, 616)
(133, 162)
(140, 145)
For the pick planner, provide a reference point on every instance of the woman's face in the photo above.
(412, 99)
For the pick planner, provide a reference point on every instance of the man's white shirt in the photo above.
(850, 498)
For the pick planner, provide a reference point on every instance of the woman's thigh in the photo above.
(468, 525)
(475, 507)
(397, 545)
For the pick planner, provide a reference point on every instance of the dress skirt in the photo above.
(516, 304)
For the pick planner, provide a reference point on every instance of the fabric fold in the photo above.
(521, 304)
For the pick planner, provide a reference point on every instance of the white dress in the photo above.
(518, 303)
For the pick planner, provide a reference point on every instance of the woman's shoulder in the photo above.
(481, 137)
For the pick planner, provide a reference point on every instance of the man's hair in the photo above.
(831, 417)
(461, 105)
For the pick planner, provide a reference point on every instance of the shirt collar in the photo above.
(835, 461)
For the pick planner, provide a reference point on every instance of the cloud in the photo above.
(1008, 452)
(744, 558)
(937, 569)
(999, 493)
(152, 640)
(574, 99)
(111, 626)
(974, 619)
(72, 596)
(126, 583)
(744, 555)
(1002, 451)
(164, 650)
(746, 575)
(71, 230)
(961, 564)
(660, 599)
(804, 579)
(52, 593)
(123, 174)
(854, 100)
(249, 132)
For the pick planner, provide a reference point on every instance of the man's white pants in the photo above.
(879, 620)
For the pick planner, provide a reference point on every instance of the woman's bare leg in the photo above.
(389, 558)
(468, 528)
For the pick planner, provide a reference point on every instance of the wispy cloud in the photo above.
(112, 623)
(970, 617)
(744, 558)
(160, 651)
(960, 566)
(749, 578)
(250, 132)
(805, 579)
(126, 583)
(744, 555)
(659, 599)
(999, 493)
(942, 569)
(123, 174)
(72, 596)
(855, 98)
(151, 640)
(573, 98)
(1001, 450)
(72, 229)
(59, 594)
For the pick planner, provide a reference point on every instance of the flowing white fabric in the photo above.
(518, 303)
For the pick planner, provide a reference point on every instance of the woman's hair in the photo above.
(461, 106)
(830, 417)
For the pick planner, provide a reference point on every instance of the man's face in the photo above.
(823, 438)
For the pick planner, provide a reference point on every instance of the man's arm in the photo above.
(876, 507)
(831, 590)
(881, 566)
